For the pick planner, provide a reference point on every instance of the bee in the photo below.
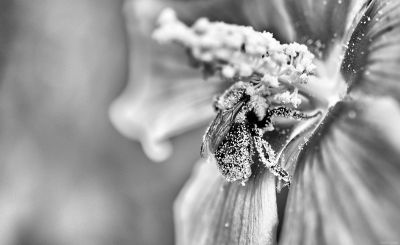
(235, 136)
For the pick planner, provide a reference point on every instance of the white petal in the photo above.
(347, 187)
(210, 210)
(164, 96)
(372, 60)
(319, 23)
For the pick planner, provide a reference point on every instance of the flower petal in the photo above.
(164, 96)
(319, 23)
(372, 60)
(159, 104)
(210, 210)
(347, 187)
(269, 15)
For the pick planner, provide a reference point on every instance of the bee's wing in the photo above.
(218, 128)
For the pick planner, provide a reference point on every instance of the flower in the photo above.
(345, 165)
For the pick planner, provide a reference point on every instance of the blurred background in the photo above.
(67, 176)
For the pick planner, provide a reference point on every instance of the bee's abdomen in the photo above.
(234, 153)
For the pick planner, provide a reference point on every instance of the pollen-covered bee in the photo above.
(235, 136)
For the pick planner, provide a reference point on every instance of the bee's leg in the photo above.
(267, 156)
(286, 112)
(282, 174)
(281, 111)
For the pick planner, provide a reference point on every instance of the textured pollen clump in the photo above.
(234, 154)
(234, 50)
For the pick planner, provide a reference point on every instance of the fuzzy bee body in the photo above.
(234, 154)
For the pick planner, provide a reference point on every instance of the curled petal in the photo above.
(347, 188)
(158, 105)
(319, 23)
(210, 210)
(164, 96)
(372, 59)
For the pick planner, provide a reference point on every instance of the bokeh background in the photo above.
(67, 176)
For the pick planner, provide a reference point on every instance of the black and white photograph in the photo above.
(199, 122)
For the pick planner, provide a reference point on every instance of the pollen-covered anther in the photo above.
(233, 50)
(288, 98)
